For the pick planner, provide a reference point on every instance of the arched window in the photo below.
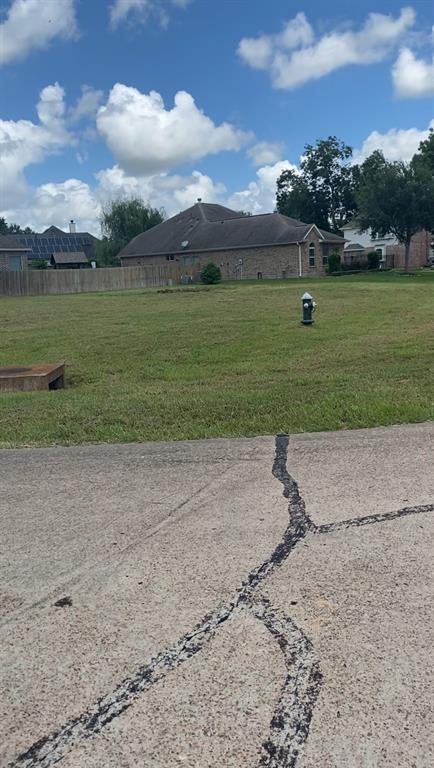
(312, 254)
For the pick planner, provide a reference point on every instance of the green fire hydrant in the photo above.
(309, 306)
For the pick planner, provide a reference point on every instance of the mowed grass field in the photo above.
(228, 360)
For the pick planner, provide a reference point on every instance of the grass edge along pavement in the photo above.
(222, 361)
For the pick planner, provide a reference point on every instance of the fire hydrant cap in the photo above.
(306, 296)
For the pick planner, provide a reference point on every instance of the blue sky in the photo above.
(90, 110)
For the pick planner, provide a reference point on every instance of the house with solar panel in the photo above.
(61, 250)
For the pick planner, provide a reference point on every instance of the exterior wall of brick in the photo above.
(420, 247)
(5, 260)
(272, 261)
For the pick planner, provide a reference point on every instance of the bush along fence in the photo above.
(338, 267)
(43, 282)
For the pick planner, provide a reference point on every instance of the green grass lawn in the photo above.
(228, 360)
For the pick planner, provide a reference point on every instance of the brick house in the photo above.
(267, 245)
(13, 255)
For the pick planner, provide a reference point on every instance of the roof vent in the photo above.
(72, 227)
(184, 244)
(199, 199)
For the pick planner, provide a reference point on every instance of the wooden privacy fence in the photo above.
(41, 282)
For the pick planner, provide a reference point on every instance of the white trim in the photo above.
(314, 226)
(20, 250)
(300, 271)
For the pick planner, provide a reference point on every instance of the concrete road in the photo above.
(233, 603)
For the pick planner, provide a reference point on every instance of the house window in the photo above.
(312, 255)
(189, 260)
(325, 261)
(170, 257)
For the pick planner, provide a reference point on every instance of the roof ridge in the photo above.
(291, 220)
(201, 211)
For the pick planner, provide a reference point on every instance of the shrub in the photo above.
(210, 274)
(38, 264)
(373, 260)
(355, 265)
(334, 262)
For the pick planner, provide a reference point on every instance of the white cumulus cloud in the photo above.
(293, 56)
(146, 138)
(413, 78)
(23, 142)
(87, 104)
(169, 191)
(258, 52)
(59, 203)
(260, 194)
(33, 24)
(125, 10)
(396, 144)
(265, 152)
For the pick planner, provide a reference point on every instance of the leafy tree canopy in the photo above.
(395, 197)
(323, 191)
(13, 229)
(121, 220)
(425, 153)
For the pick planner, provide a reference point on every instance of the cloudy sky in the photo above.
(179, 99)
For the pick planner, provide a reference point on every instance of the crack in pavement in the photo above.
(289, 727)
(370, 519)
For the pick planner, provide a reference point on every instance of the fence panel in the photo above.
(32, 282)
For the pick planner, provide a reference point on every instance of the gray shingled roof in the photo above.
(354, 247)
(70, 257)
(208, 227)
(351, 224)
(8, 243)
(54, 231)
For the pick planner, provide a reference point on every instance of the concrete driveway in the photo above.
(235, 603)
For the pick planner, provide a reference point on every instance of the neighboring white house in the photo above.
(353, 235)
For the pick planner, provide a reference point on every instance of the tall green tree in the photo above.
(425, 153)
(395, 197)
(323, 190)
(13, 229)
(121, 220)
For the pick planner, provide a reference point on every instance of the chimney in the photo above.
(72, 227)
(199, 199)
